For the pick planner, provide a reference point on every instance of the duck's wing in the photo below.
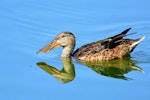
(121, 35)
(116, 40)
(96, 47)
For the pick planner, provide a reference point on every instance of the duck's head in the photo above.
(65, 40)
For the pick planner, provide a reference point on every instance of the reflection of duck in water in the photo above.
(65, 75)
(107, 49)
(115, 68)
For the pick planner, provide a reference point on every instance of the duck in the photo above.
(114, 47)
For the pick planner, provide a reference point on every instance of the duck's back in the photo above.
(107, 49)
(96, 52)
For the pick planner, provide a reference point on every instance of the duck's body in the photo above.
(107, 49)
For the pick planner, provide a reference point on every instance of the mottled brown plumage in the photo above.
(107, 49)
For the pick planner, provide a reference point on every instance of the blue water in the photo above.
(28, 25)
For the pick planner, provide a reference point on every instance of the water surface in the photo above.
(28, 25)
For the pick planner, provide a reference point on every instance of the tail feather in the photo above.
(136, 42)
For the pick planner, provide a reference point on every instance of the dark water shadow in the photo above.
(116, 68)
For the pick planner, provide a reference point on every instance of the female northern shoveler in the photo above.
(107, 49)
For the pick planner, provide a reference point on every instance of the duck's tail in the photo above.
(135, 43)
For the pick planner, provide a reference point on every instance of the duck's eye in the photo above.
(63, 36)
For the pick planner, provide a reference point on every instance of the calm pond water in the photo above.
(28, 25)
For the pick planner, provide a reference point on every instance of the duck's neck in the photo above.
(67, 50)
